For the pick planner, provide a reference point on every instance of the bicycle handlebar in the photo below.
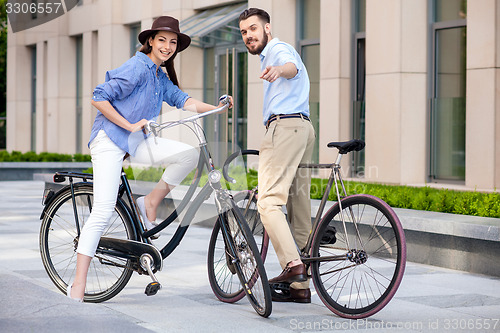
(231, 158)
(155, 128)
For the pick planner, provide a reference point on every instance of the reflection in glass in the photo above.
(449, 10)
(310, 57)
(448, 105)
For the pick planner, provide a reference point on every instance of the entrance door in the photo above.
(229, 130)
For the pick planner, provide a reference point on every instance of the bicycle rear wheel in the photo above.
(245, 257)
(371, 256)
(107, 276)
(221, 272)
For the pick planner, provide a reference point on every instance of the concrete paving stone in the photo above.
(430, 298)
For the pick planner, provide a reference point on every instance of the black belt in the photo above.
(285, 116)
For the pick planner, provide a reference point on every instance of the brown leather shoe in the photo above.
(296, 273)
(291, 295)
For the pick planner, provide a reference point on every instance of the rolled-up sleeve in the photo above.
(173, 95)
(119, 83)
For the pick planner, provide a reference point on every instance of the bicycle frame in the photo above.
(356, 270)
(335, 178)
(204, 161)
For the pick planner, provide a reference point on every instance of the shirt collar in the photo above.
(144, 57)
(269, 45)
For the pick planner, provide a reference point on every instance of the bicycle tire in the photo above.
(59, 241)
(363, 284)
(222, 277)
(247, 261)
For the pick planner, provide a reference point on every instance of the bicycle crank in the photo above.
(280, 290)
(147, 263)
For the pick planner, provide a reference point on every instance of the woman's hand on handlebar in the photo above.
(195, 105)
(221, 103)
(140, 125)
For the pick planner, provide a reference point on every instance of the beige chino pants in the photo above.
(287, 143)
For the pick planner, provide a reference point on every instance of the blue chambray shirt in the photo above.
(284, 96)
(136, 92)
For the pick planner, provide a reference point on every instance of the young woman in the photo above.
(130, 96)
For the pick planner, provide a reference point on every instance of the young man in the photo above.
(288, 141)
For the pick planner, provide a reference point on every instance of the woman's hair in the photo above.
(169, 64)
(262, 14)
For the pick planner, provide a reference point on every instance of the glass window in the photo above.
(310, 57)
(135, 29)
(450, 62)
(33, 98)
(79, 92)
(448, 97)
(3, 129)
(449, 10)
(358, 104)
(360, 12)
(3, 82)
(309, 49)
(309, 11)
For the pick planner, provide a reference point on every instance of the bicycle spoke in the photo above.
(364, 282)
(58, 243)
(224, 282)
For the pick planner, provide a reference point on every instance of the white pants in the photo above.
(107, 160)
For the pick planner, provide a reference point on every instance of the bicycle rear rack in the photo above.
(61, 176)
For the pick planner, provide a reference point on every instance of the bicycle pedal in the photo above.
(280, 286)
(152, 288)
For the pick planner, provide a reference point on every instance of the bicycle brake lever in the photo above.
(151, 126)
(224, 99)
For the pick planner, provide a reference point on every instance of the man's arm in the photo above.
(272, 73)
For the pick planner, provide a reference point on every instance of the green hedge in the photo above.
(17, 156)
(422, 198)
(418, 198)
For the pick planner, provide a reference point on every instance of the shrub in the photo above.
(418, 198)
(17, 156)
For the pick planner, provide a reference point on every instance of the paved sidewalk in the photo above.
(430, 299)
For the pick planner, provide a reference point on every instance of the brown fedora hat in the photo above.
(166, 23)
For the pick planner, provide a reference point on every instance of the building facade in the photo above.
(418, 80)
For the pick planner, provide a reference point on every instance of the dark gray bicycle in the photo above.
(126, 247)
(356, 251)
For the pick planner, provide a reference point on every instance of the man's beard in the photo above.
(260, 46)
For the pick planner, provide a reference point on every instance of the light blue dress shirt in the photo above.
(284, 96)
(136, 92)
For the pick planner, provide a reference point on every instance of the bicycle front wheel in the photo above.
(245, 257)
(221, 272)
(107, 276)
(359, 256)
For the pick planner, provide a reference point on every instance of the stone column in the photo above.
(19, 58)
(335, 82)
(483, 95)
(396, 98)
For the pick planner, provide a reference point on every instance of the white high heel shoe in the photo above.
(147, 223)
(68, 293)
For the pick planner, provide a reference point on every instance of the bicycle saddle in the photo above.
(347, 146)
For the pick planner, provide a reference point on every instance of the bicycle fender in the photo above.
(49, 196)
